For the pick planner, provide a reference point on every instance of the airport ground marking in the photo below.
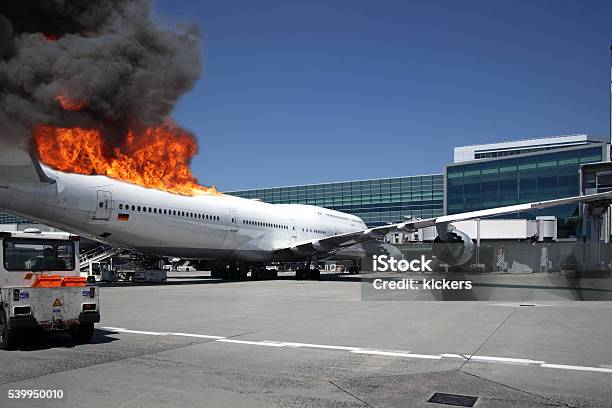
(367, 351)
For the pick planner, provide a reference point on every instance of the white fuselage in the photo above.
(152, 221)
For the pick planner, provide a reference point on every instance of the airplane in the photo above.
(236, 233)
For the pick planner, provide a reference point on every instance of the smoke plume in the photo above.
(92, 64)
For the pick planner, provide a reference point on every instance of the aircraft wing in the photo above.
(337, 242)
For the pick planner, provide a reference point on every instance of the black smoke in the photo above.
(107, 56)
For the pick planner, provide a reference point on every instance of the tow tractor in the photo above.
(40, 287)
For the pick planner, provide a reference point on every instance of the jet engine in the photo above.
(451, 246)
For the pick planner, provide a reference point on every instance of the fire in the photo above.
(157, 157)
(51, 37)
(69, 104)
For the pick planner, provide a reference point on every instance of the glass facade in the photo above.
(6, 218)
(377, 202)
(499, 182)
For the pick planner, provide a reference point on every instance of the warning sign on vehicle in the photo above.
(57, 302)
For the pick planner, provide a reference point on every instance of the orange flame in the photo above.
(69, 104)
(157, 157)
(51, 37)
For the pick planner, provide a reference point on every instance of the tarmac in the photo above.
(199, 342)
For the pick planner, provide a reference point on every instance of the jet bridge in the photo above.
(596, 216)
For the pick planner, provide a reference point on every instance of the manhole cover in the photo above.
(453, 399)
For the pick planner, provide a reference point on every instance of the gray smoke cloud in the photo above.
(106, 55)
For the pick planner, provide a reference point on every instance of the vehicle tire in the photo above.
(256, 274)
(314, 274)
(300, 274)
(8, 337)
(81, 333)
(271, 274)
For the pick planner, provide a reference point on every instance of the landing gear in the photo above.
(229, 272)
(312, 274)
(262, 273)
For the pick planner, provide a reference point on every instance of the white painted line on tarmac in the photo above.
(398, 354)
(577, 368)
(253, 343)
(202, 336)
(387, 353)
(320, 346)
(506, 360)
(151, 333)
(450, 355)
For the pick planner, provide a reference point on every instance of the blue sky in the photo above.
(298, 92)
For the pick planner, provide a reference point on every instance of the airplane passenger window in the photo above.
(133, 208)
(121, 206)
(138, 208)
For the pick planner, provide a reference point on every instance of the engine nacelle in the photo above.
(453, 248)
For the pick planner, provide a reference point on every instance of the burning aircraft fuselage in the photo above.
(203, 226)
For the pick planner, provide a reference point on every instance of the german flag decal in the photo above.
(123, 217)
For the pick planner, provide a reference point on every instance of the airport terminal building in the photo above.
(501, 174)
(376, 201)
(481, 176)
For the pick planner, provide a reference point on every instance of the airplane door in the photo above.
(103, 205)
(293, 230)
(233, 220)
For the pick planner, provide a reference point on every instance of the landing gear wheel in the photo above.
(8, 337)
(235, 274)
(314, 274)
(81, 333)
